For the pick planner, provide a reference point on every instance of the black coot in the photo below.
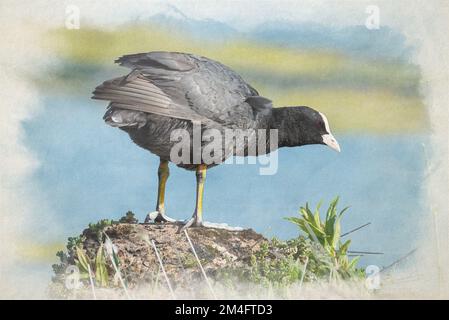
(166, 91)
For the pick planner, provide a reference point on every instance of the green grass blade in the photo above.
(101, 272)
(82, 259)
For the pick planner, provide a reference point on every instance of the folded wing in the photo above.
(181, 86)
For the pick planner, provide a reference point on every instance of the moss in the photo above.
(279, 263)
(188, 261)
(68, 258)
(210, 251)
(129, 217)
(72, 242)
(97, 228)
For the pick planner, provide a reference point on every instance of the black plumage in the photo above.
(170, 90)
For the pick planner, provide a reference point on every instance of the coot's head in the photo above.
(303, 126)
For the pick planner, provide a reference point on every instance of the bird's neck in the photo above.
(286, 121)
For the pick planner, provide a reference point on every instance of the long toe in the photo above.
(164, 218)
(158, 217)
(192, 223)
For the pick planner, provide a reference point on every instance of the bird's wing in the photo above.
(136, 92)
(206, 87)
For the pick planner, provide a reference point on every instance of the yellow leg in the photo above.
(159, 215)
(200, 178)
(197, 218)
(163, 173)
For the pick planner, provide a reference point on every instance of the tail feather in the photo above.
(116, 117)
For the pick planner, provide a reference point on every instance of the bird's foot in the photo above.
(158, 217)
(193, 222)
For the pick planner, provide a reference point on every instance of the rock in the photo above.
(216, 248)
(235, 261)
